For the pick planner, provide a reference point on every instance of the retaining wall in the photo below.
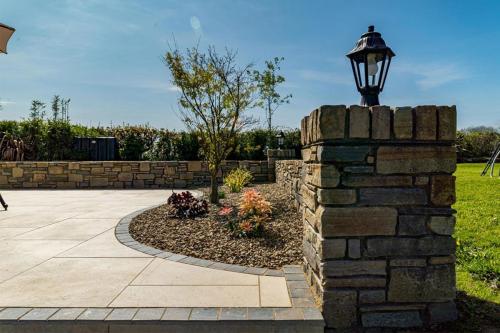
(117, 174)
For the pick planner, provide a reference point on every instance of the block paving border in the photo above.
(302, 316)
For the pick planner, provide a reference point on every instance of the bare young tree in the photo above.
(214, 94)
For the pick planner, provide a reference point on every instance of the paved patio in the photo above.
(59, 253)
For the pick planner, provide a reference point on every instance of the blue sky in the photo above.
(106, 54)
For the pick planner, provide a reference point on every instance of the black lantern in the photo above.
(370, 60)
(281, 139)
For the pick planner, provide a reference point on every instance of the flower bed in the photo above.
(209, 236)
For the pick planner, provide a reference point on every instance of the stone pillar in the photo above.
(274, 155)
(378, 190)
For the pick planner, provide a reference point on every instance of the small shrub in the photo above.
(253, 212)
(184, 205)
(237, 179)
(222, 194)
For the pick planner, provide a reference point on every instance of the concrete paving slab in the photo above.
(169, 273)
(188, 296)
(71, 282)
(74, 229)
(273, 292)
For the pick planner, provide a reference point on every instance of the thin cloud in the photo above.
(433, 75)
(195, 23)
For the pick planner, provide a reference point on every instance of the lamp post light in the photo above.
(5, 34)
(281, 139)
(368, 55)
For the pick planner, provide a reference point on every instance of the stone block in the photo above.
(359, 169)
(425, 122)
(75, 177)
(309, 197)
(372, 296)
(416, 159)
(98, 182)
(336, 196)
(74, 166)
(392, 196)
(408, 263)
(125, 177)
(194, 166)
(55, 170)
(403, 123)
(145, 176)
(333, 248)
(340, 308)
(381, 122)
(442, 260)
(144, 166)
(97, 171)
(357, 221)
(414, 284)
(170, 171)
(331, 122)
(311, 218)
(355, 282)
(354, 248)
(4, 180)
(424, 246)
(324, 176)
(392, 319)
(442, 312)
(343, 153)
(359, 122)
(17, 172)
(421, 180)
(303, 140)
(376, 181)
(340, 268)
(311, 256)
(39, 177)
(412, 225)
(442, 225)
(447, 120)
(443, 190)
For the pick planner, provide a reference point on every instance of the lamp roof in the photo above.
(370, 42)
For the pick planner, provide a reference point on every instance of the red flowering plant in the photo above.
(254, 212)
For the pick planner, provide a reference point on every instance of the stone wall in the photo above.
(274, 155)
(377, 193)
(117, 174)
(289, 176)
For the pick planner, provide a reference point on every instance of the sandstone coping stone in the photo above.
(359, 122)
(381, 122)
(416, 159)
(447, 117)
(357, 221)
(330, 122)
(425, 122)
(415, 284)
(403, 123)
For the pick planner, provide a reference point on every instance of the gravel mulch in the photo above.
(207, 238)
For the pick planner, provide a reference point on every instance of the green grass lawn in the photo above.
(478, 232)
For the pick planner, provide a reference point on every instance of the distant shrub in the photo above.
(476, 142)
(185, 205)
(237, 179)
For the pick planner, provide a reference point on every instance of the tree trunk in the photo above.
(214, 194)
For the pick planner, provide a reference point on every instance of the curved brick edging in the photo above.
(124, 237)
